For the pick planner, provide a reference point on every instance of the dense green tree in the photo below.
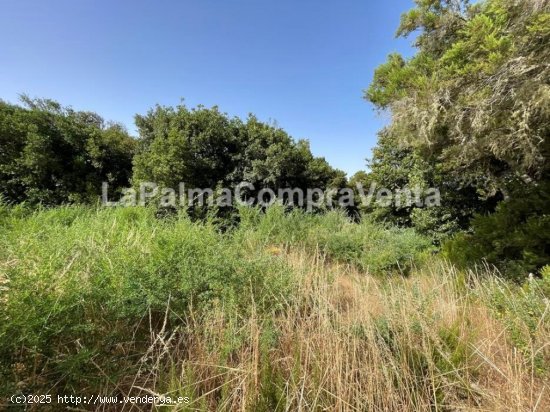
(398, 169)
(470, 110)
(204, 148)
(52, 155)
(476, 96)
(197, 147)
(272, 159)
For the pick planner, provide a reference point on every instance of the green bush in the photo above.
(367, 245)
(515, 238)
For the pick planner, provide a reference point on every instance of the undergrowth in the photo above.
(287, 311)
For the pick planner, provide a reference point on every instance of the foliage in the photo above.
(516, 237)
(76, 283)
(366, 245)
(52, 155)
(399, 168)
(476, 93)
(117, 302)
(204, 148)
(470, 116)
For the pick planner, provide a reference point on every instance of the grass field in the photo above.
(285, 312)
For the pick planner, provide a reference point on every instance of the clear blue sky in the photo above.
(302, 63)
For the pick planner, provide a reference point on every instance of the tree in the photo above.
(197, 147)
(398, 169)
(470, 110)
(52, 155)
(204, 148)
(476, 96)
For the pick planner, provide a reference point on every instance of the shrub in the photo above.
(516, 238)
(368, 245)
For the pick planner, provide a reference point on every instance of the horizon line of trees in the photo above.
(53, 155)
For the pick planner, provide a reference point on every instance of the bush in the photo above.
(516, 238)
(367, 245)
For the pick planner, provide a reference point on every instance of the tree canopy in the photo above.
(204, 148)
(470, 113)
(476, 96)
(51, 154)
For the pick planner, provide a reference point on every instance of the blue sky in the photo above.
(301, 63)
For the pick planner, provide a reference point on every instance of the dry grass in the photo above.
(353, 342)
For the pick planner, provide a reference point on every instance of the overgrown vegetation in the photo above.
(78, 280)
(286, 311)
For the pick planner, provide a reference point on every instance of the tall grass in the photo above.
(356, 342)
(286, 312)
(83, 288)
